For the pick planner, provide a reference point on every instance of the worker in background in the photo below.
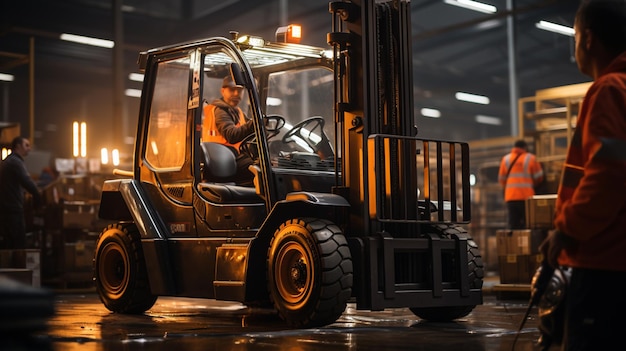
(47, 176)
(14, 179)
(519, 174)
(225, 123)
(590, 215)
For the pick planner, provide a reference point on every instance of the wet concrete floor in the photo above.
(82, 323)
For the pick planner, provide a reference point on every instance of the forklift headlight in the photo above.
(251, 41)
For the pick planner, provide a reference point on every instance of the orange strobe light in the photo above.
(289, 34)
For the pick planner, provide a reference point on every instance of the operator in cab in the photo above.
(225, 123)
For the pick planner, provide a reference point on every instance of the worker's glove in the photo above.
(553, 244)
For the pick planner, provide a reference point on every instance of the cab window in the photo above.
(301, 95)
(167, 130)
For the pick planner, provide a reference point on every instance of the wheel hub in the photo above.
(293, 278)
(298, 273)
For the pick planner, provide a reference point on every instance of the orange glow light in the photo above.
(289, 34)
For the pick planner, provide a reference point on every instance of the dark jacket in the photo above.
(14, 179)
(227, 122)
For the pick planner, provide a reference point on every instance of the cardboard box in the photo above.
(540, 211)
(32, 261)
(518, 269)
(79, 220)
(490, 260)
(22, 275)
(27, 259)
(80, 215)
(6, 258)
(84, 254)
(519, 242)
(79, 256)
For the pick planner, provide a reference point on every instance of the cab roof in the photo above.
(257, 52)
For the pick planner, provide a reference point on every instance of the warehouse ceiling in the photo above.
(454, 49)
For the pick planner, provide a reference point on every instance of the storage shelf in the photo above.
(549, 112)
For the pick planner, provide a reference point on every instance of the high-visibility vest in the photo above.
(524, 174)
(209, 129)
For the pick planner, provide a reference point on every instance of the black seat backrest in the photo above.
(220, 162)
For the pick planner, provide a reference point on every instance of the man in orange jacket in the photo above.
(225, 123)
(519, 174)
(590, 218)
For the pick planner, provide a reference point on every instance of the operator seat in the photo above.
(219, 162)
(220, 165)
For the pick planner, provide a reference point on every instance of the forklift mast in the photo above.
(408, 196)
(374, 107)
(375, 65)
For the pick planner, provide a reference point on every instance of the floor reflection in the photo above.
(82, 323)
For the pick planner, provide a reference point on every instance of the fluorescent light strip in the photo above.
(75, 140)
(115, 155)
(467, 97)
(133, 93)
(137, 77)
(495, 121)
(104, 156)
(430, 112)
(556, 28)
(272, 101)
(6, 77)
(488, 24)
(88, 40)
(83, 139)
(472, 5)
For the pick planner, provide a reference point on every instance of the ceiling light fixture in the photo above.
(88, 40)
(136, 77)
(489, 24)
(133, 93)
(467, 97)
(473, 5)
(430, 112)
(6, 77)
(494, 121)
(272, 101)
(556, 28)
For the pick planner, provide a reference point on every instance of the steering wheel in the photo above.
(301, 132)
(273, 124)
(249, 147)
(320, 145)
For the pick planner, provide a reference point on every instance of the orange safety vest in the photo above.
(524, 174)
(209, 129)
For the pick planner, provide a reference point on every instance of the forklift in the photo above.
(348, 204)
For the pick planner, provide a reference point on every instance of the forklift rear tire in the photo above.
(120, 272)
(309, 272)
